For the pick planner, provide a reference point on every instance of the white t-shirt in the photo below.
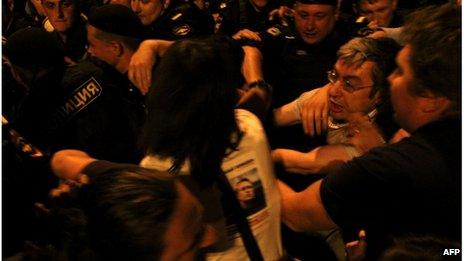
(251, 162)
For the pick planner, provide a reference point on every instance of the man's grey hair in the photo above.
(381, 51)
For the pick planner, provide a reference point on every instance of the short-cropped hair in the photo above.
(434, 35)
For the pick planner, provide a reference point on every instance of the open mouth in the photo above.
(310, 34)
(335, 107)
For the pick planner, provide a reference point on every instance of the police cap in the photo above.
(318, 2)
(116, 19)
(33, 47)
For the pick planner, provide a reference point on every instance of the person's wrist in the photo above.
(261, 84)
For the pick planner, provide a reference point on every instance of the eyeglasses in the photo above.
(333, 77)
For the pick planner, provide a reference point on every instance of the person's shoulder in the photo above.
(78, 74)
(277, 38)
(442, 136)
(84, 69)
(398, 161)
(186, 20)
(83, 83)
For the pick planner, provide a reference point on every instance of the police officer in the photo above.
(36, 64)
(380, 13)
(89, 106)
(65, 20)
(297, 57)
(167, 20)
(234, 15)
(102, 107)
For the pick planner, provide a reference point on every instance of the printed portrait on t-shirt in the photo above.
(243, 174)
(249, 191)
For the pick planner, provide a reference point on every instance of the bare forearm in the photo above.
(296, 162)
(286, 115)
(304, 211)
(252, 64)
(158, 47)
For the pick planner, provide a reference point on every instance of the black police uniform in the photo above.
(185, 20)
(76, 39)
(31, 115)
(101, 114)
(13, 21)
(90, 107)
(240, 14)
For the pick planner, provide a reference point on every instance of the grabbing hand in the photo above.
(281, 13)
(363, 134)
(314, 112)
(356, 250)
(247, 34)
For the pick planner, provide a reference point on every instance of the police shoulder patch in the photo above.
(80, 98)
(47, 25)
(176, 16)
(300, 52)
(182, 30)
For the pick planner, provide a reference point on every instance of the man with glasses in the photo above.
(358, 85)
(412, 186)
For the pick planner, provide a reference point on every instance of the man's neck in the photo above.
(123, 64)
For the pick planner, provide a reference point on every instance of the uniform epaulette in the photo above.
(47, 25)
(225, 4)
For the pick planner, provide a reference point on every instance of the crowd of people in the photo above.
(231, 129)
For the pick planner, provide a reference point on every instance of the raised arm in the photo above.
(143, 60)
(256, 96)
(252, 64)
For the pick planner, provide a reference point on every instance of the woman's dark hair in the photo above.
(128, 212)
(191, 105)
(122, 214)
